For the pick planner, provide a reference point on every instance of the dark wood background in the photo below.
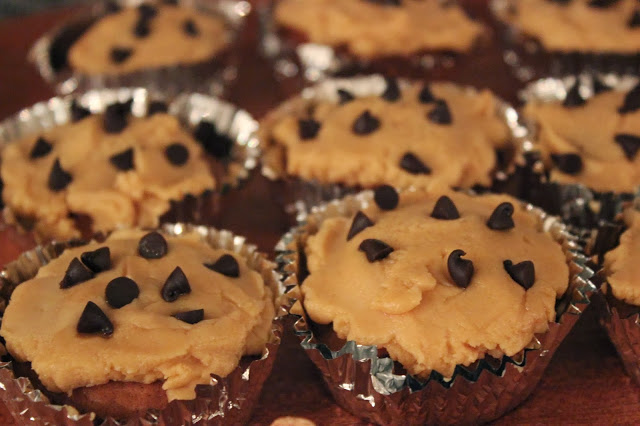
(585, 382)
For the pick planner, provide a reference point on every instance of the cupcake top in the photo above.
(596, 26)
(621, 264)
(437, 280)
(114, 168)
(410, 135)
(139, 307)
(591, 141)
(148, 36)
(375, 28)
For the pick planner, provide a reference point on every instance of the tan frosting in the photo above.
(372, 30)
(589, 131)
(459, 154)
(408, 304)
(621, 264)
(147, 344)
(575, 26)
(112, 198)
(167, 43)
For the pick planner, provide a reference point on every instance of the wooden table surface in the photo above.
(585, 382)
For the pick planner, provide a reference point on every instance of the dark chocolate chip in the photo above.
(58, 177)
(523, 273)
(460, 270)
(308, 128)
(40, 149)
(365, 124)
(562, 2)
(570, 164)
(175, 286)
(94, 321)
(123, 161)
(386, 197)
(386, 2)
(634, 21)
(629, 144)
(76, 273)
(345, 96)
(602, 4)
(190, 28)
(111, 7)
(392, 92)
(77, 112)
(152, 246)
(574, 98)
(171, 2)
(177, 154)
(213, 142)
(501, 219)
(142, 28)
(98, 260)
(226, 265)
(121, 291)
(190, 317)
(115, 117)
(599, 86)
(375, 249)
(414, 165)
(147, 11)
(157, 107)
(120, 54)
(425, 96)
(359, 224)
(631, 101)
(440, 114)
(445, 209)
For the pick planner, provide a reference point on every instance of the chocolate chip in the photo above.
(562, 2)
(77, 112)
(308, 128)
(460, 270)
(365, 124)
(142, 28)
(123, 161)
(121, 291)
(157, 107)
(111, 7)
(115, 117)
(445, 209)
(375, 249)
(634, 21)
(413, 165)
(76, 273)
(359, 224)
(177, 154)
(574, 98)
(345, 96)
(599, 86)
(523, 273)
(175, 286)
(214, 143)
(190, 28)
(120, 54)
(440, 114)
(392, 92)
(629, 144)
(602, 4)
(40, 149)
(147, 11)
(58, 177)
(631, 101)
(226, 265)
(386, 197)
(94, 321)
(98, 260)
(570, 164)
(386, 2)
(425, 96)
(171, 2)
(501, 218)
(152, 246)
(190, 317)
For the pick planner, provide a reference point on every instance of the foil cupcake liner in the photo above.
(49, 55)
(226, 400)
(190, 108)
(364, 383)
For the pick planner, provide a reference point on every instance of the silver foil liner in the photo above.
(364, 383)
(189, 108)
(48, 54)
(225, 400)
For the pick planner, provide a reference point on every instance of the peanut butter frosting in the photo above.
(437, 280)
(596, 26)
(410, 136)
(594, 141)
(149, 36)
(371, 29)
(179, 311)
(117, 169)
(621, 264)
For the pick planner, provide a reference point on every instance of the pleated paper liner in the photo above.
(236, 151)
(49, 55)
(363, 380)
(225, 400)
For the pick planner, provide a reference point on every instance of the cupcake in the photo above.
(165, 322)
(116, 159)
(393, 295)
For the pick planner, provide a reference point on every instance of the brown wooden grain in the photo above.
(585, 382)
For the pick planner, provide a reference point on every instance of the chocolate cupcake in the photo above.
(411, 332)
(163, 324)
